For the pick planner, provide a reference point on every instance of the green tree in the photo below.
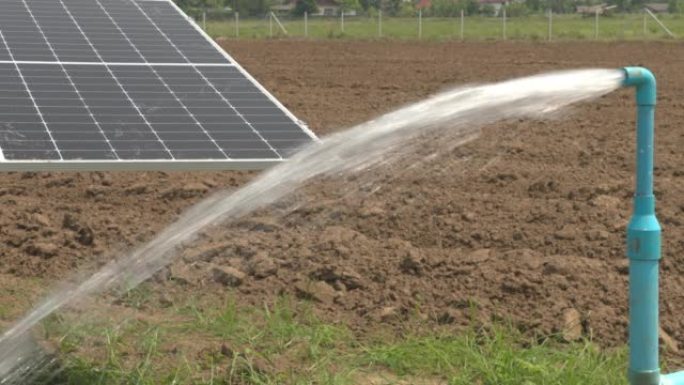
(517, 9)
(350, 5)
(252, 7)
(305, 6)
(534, 5)
(562, 6)
(189, 5)
(445, 8)
(392, 7)
(488, 10)
(675, 6)
(368, 4)
(406, 10)
(628, 5)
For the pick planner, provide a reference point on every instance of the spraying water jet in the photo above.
(367, 145)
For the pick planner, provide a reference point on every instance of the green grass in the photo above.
(533, 27)
(286, 343)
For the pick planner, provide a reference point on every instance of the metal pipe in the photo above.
(643, 241)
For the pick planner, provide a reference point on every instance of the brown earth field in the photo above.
(523, 225)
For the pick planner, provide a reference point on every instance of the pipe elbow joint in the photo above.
(645, 83)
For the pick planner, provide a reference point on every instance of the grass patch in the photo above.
(532, 27)
(498, 357)
(285, 343)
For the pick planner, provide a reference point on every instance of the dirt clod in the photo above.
(318, 291)
(389, 313)
(261, 266)
(228, 276)
(668, 342)
(571, 329)
(42, 249)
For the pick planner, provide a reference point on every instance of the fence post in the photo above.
(342, 20)
(270, 25)
(550, 33)
(462, 23)
(644, 25)
(503, 7)
(596, 25)
(204, 19)
(420, 23)
(380, 23)
(660, 23)
(306, 24)
(237, 25)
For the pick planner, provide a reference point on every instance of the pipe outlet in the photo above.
(645, 84)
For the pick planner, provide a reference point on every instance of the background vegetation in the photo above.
(478, 27)
(439, 8)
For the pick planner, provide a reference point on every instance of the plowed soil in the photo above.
(526, 224)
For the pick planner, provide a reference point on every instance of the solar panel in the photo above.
(129, 84)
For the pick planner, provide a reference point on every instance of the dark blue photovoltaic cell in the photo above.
(185, 37)
(23, 37)
(22, 134)
(61, 32)
(4, 54)
(102, 32)
(141, 33)
(110, 80)
(271, 122)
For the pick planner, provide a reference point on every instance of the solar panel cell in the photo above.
(139, 32)
(59, 31)
(101, 31)
(186, 39)
(117, 80)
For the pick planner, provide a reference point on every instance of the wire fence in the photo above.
(546, 26)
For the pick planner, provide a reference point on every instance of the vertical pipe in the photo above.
(306, 24)
(270, 24)
(204, 20)
(462, 23)
(503, 7)
(643, 324)
(342, 21)
(596, 25)
(643, 241)
(550, 33)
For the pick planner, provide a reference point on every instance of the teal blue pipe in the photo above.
(643, 241)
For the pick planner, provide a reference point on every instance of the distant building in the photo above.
(283, 7)
(657, 7)
(591, 10)
(328, 8)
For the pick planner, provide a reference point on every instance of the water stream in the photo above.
(453, 115)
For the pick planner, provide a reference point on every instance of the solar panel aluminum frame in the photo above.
(166, 164)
